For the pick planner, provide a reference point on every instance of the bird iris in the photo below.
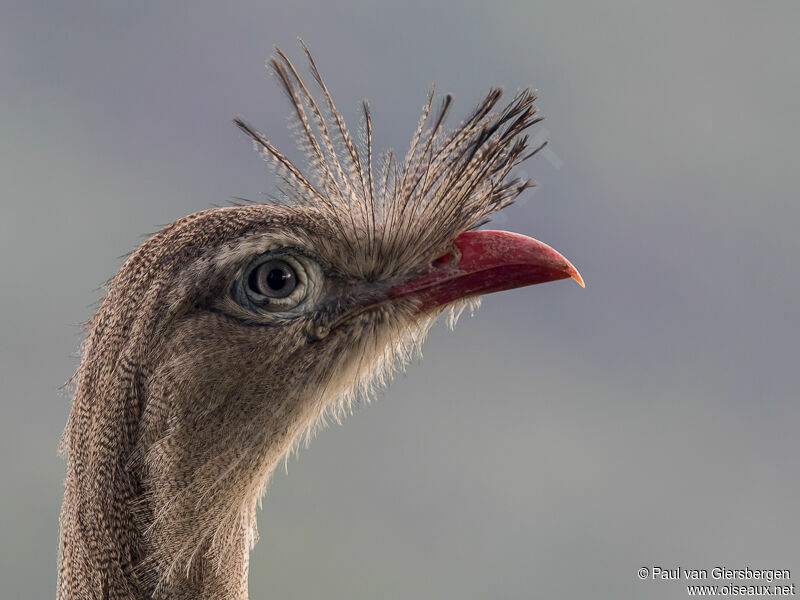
(278, 282)
(273, 278)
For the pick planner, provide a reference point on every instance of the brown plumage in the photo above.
(231, 332)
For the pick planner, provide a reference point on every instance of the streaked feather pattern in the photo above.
(448, 183)
(181, 413)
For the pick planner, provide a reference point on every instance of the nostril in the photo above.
(443, 260)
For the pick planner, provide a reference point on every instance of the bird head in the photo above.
(231, 332)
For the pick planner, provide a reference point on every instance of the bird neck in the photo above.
(112, 544)
(169, 450)
(138, 530)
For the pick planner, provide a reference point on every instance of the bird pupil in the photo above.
(273, 279)
(277, 278)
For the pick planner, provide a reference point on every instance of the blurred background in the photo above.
(553, 444)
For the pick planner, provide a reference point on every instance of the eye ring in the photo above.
(272, 278)
(278, 282)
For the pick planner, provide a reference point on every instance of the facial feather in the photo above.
(186, 397)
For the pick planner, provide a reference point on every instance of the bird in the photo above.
(233, 334)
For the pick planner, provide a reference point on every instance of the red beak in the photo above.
(485, 262)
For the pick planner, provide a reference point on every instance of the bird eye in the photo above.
(274, 279)
(277, 283)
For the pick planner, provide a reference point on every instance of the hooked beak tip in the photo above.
(577, 277)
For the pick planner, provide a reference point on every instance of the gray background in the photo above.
(556, 442)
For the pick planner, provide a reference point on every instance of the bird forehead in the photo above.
(339, 249)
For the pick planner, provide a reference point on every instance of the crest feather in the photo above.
(448, 183)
